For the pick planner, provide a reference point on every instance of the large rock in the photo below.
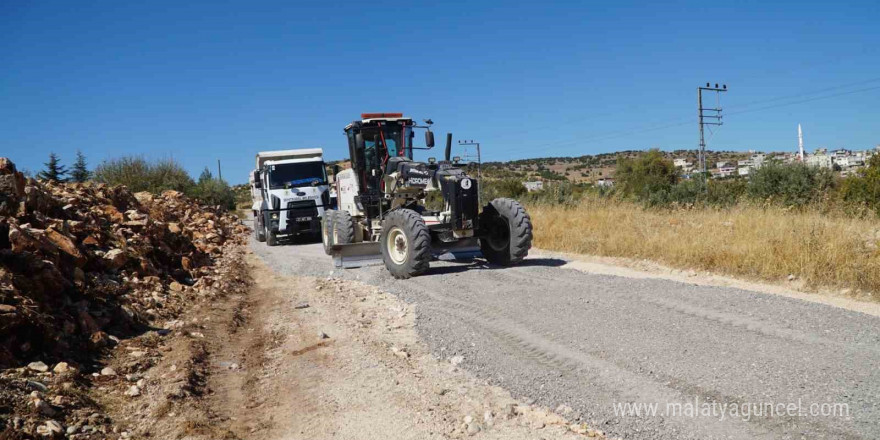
(115, 258)
(38, 366)
(12, 185)
(66, 245)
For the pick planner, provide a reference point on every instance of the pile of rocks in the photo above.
(82, 265)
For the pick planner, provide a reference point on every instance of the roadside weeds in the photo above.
(811, 251)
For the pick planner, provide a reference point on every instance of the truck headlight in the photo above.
(274, 216)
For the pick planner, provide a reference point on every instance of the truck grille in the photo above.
(300, 210)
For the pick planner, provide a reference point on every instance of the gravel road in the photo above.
(562, 336)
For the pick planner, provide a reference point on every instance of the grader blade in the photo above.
(348, 256)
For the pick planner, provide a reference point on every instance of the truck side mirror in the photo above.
(257, 182)
(429, 139)
(359, 142)
(335, 170)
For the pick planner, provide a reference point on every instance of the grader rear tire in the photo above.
(506, 232)
(405, 243)
(327, 230)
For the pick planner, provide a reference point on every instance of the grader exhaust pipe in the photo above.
(448, 146)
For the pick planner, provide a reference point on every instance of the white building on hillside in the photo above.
(758, 160)
(821, 160)
(685, 166)
(534, 186)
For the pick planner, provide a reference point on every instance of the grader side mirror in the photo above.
(429, 139)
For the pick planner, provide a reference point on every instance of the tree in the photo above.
(864, 188)
(80, 172)
(54, 170)
(205, 176)
(646, 175)
(212, 191)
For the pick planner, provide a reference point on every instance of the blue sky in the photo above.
(223, 80)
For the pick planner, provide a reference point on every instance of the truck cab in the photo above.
(290, 193)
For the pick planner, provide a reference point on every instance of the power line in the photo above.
(798, 95)
(684, 121)
(817, 98)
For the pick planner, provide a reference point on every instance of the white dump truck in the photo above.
(290, 193)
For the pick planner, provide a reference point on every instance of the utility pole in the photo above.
(479, 166)
(714, 116)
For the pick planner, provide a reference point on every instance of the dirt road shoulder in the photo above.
(305, 357)
(341, 359)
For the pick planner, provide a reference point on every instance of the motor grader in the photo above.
(382, 209)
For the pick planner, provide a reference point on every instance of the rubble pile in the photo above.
(83, 265)
(89, 271)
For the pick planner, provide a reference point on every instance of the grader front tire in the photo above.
(405, 243)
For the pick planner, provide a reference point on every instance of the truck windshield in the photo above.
(291, 175)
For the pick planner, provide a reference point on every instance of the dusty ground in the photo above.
(564, 333)
(302, 357)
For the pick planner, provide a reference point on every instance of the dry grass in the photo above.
(759, 243)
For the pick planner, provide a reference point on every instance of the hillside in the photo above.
(589, 168)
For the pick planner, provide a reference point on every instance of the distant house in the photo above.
(684, 165)
(606, 182)
(534, 186)
(725, 171)
(758, 160)
(821, 160)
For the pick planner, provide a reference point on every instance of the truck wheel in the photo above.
(271, 238)
(343, 228)
(405, 243)
(506, 232)
(259, 230)
(327, 230)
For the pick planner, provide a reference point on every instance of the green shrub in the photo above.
(726, 193)
(138, 174)
(214, 192)
(555, 193)
(510, 188)
(864, 188)
(648, 177)
(789, 184)
(686, 192)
